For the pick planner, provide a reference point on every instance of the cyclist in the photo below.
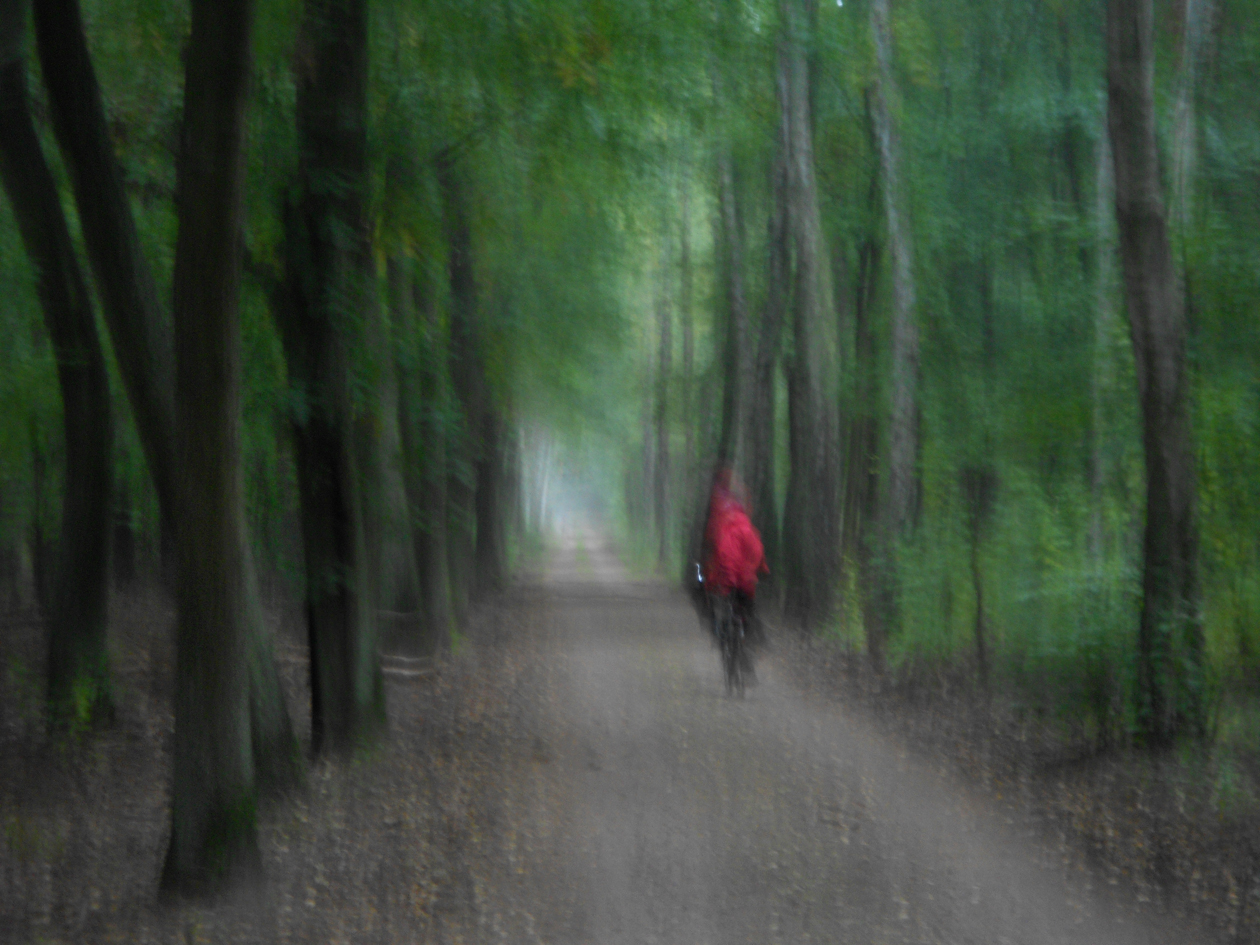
(734, 557)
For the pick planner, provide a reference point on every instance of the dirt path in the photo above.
(575, 774)
(650, 808)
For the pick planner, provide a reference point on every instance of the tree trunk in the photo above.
(903, 426)
(400, 581)
(327, 268)
(490, 552)
(461, 515)
(809, 512)
(422, 400)
(982, 652)
(734, 373)
(860, 517)
(467, 383)
(129, 298)
(1195, 30)
(649, 451)
(686, 319)
(513, 489)
(368, 421)
(979, 486)
(1100, 376)
(213, 831)
(544, 488)
(78, 659)
(1170, 635)
(661, 484)
(143, 345)
(760, 435)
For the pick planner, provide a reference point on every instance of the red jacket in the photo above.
(736, 555)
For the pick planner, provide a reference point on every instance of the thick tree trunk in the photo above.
(129, 298)
(661, 468)
(143, 343)
(391, 565)
(422, 399)
(213, 833)
(78, 660)
(903, 422)
(467, 384)
(368, 422)
(327, 269)
(1170, 635)
(809, 547)
(400, 582)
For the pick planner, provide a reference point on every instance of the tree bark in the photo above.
(143, 345)
(1170, 634)
(213, 831)
(467, 384)
(860, 516)
(1100, 376)
(400, 582)
(810, 510)
(327, 268)
(129, 298)
(422, 401)
(420, 350)
(78, 659)
(368, 423)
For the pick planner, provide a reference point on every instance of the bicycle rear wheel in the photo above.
(728, 668)
(735, 674)
(730, 641)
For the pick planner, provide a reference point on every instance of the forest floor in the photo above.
(574, 773)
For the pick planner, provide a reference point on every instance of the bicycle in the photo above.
(729, 627)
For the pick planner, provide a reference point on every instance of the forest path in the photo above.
(651, 808)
